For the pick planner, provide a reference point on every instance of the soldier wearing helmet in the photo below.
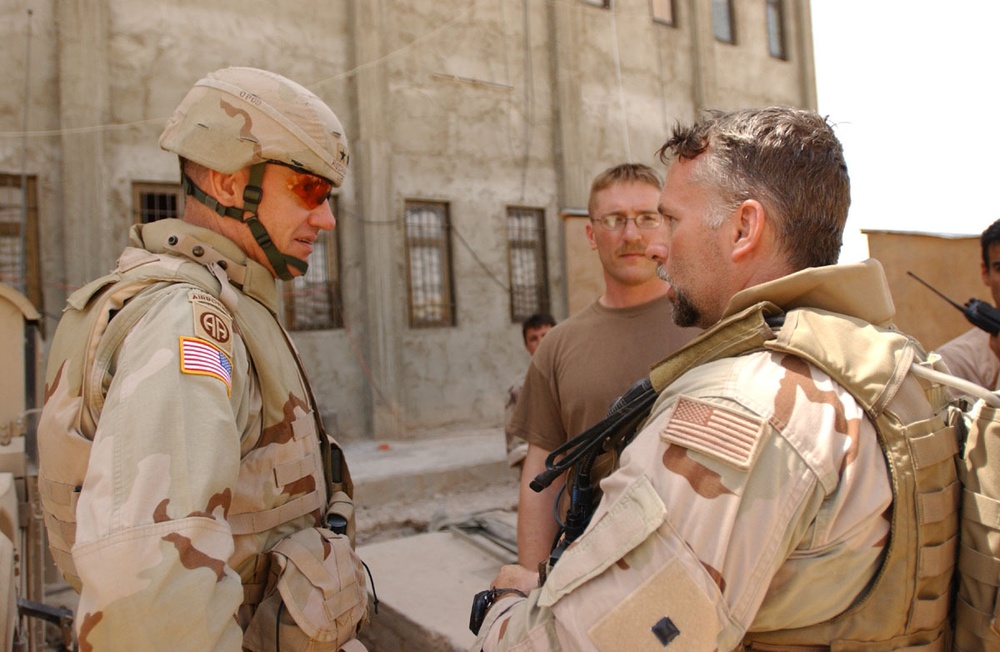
(192, 495)
(241, 129)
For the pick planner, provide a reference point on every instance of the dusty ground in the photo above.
(394, 521)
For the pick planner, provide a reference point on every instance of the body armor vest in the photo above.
(907, 604)
(99, 317)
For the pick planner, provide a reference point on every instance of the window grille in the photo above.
(20, 253)
(428, 254)
(313, 301)
(529, 286)
(156, 201)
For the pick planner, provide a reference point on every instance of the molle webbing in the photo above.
(977, 608)
(907, 604)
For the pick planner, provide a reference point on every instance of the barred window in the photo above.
(529, 283)
(776, 29)
(428, 254)
(156, 201)
(313, 301)
(663, 12)
(20, 253)
(722, 21)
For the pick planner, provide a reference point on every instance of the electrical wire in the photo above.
(621, 83)
(529, 100)
(482, 265)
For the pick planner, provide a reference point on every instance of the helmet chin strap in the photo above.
(252, 196)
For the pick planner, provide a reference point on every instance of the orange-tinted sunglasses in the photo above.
(311, 189)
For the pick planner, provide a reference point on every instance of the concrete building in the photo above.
(475, 128)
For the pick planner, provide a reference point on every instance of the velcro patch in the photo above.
(669, 611)
(714, 430)
(205, 359)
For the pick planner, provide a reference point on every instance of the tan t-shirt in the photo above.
(588, 361)
(969, 356)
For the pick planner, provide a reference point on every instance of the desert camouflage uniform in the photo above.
(204, 454)
(755, 499)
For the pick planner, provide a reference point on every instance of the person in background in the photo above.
(775, 497)
(591, 358)
(191, 493)
(975, 354)
(533, 329)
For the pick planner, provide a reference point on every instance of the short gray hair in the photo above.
(787, 159)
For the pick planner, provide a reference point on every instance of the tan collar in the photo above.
(205, 246)
(859, 290)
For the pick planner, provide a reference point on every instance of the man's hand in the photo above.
(515, 576)
(511, 580)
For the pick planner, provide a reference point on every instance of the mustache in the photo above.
(661, 272)
(625, 250)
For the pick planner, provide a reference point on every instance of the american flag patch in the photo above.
(204, 359)
(714, 430)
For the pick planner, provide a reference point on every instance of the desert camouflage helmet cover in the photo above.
(237, 117)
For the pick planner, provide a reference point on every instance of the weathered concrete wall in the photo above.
(38, 151)
(747, 75)
(470, 113)
(681, 72)
(482, 105)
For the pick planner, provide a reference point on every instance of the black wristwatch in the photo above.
(482, 602)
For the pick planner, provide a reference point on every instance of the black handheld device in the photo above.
(979, 313)
(615, 431)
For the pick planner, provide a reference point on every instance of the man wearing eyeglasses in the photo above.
(191, 493)
(590, 359)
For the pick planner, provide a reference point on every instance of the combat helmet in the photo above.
(238, 117)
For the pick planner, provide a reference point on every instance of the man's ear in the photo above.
(751, 221)
(227, 188)
(985, 273)
(589, 229)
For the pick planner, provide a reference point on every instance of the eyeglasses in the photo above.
(311, 189)
(617, 222)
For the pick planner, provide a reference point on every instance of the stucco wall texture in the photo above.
(483, 104)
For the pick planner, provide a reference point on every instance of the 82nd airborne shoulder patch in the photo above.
(212, 322)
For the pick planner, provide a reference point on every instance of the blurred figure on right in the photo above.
(975, 354)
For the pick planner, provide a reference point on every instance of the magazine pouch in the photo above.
(316, 591)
